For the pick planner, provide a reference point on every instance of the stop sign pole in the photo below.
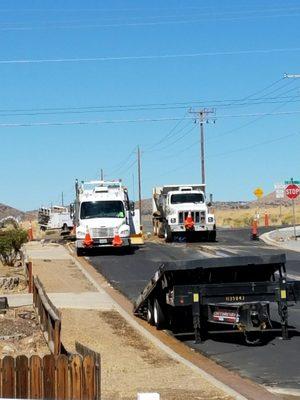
(292, 191)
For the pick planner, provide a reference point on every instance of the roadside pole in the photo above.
(294, 219)
(292, 191)
(140, 186)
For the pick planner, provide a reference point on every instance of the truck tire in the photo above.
(150, 313)
(79, 252)
(155, 227)
(213, 236)
(168, 234)
(158, 315)
(160, 230)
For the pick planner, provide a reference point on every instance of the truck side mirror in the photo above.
(132, 206)
(71, 210)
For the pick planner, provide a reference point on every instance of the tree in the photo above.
(11, 241)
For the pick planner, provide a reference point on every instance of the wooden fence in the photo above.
(50, 377)
(49, 317)
(27, 265)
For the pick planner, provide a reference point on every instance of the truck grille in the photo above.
(102, 232)
(198, 216)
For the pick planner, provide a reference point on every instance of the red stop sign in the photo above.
(292, 191)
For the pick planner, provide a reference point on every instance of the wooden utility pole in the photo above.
(140, 184)
(202, 115)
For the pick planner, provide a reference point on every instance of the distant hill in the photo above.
(6, 211)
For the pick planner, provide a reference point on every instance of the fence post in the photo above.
(29, 269)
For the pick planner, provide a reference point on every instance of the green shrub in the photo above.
(11, 241)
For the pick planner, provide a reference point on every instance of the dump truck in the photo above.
(230, 294)
(182, 210)
(103, 215)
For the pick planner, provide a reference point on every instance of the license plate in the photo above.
(102, 241)
(225, 316)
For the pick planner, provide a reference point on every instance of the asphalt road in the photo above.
(275, 363)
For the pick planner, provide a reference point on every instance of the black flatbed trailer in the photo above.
(229, 293)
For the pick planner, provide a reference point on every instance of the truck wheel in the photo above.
(160, 231)
(150, 313)
(168, 234)
(158, 315)
(155, 227)
(213, 236)
(79, 252)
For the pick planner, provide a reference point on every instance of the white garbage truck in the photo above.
(103, 215)
(182, 211)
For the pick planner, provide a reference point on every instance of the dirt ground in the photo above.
(16, 271)
(20, 333)
(130, 363)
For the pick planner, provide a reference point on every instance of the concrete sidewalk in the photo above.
(283, 238)
(64, 283)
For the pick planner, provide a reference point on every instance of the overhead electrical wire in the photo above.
(149, 57)
(120, 121)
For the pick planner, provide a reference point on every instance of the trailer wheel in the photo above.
(158, 315)
(150, 313)
(168, 234)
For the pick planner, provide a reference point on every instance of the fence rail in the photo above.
(49, 317)
(49, 377)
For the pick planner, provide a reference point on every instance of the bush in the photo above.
(11, 241)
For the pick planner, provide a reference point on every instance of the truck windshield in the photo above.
(102, 209)
(187, 198)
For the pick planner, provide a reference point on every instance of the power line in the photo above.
(121, 121)
(167, 136)
(121, 164)
(149, 57)
(250, 147)
(174, 142)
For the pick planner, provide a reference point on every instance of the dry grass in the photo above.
(238, 218)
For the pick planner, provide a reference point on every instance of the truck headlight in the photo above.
(210, 219)
(80, 234)
(124, 231)
(173, 220)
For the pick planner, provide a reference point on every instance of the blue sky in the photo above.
(226, 55)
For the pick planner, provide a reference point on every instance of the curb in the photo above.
(265, 237)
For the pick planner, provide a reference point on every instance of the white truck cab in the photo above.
(103, 215)
(182, 210)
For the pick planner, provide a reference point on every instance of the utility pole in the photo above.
(62, 198)
(202, 116)
(140, 184)
(102, 175)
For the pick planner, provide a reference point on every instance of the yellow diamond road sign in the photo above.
(258, 192)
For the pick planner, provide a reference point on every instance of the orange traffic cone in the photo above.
(117, 241)
(30, 232)
(254, 230)
(266, 219)
(189, 223)
(88, 241)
